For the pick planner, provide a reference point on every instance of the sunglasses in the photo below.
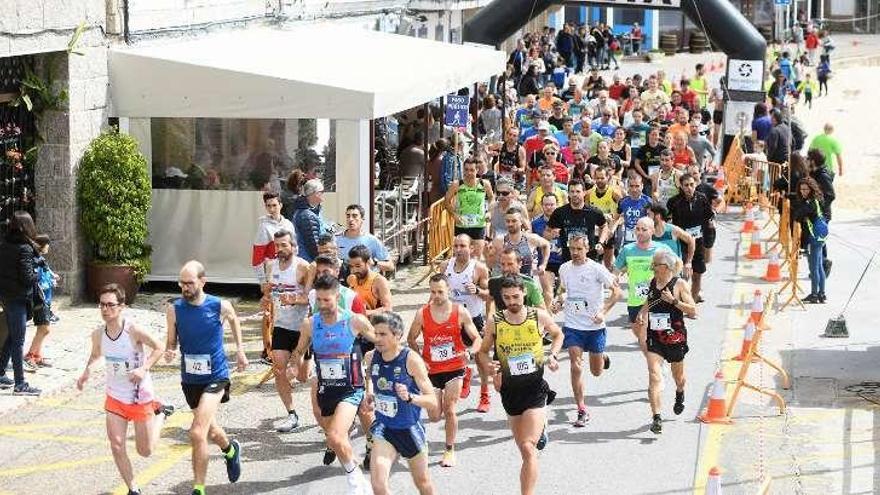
(504, 193)
(108, 305)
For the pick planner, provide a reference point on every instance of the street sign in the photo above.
(457, 108)
(745, 75)
(648, 4)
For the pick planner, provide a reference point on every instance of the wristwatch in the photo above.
(409, 399)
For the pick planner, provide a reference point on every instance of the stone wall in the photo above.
(157, 15)
(39, 26)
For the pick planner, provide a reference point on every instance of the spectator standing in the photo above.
(17, 281)
(779, 139)
(830, 148)
(307, 219)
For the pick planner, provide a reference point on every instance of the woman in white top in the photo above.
(130, 395)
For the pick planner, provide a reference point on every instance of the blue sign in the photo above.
(457, 108)
(783, 2)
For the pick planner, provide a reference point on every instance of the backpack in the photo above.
(798, 136)
(818, 228)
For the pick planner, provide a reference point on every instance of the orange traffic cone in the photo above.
(713, 485)
(749, 223)
(717, 410)
(757, 314)
(748, 336)
(773, 274)
(755, 247)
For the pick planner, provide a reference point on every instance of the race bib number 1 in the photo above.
(442, 352)
(523, 364)
(197, 364)
(659, 321)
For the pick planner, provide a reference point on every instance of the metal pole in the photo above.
(809, 10)
(373, 177)
(822, 9)
(425, 201)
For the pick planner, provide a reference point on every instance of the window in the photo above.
(240, 154)
(629, 16)
(439, 34)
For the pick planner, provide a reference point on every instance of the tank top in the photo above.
(621, 153)
(200, 332)
(524, 250)
(669, 240)
(122, 355)
(666, 188)
(539, 198)
(287, 316)
(508, 160)
(665, 319)
(520, 350)
(365, 289)
(337, 355)
(444, 348)
(345, 300)
(472, 205)
(457, 292)
(391, 411)
(605, 203)
(682, 158)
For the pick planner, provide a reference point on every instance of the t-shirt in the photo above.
(762, 126)
(570, 221)
(638, 268)
(632, 210)
(638, 136)
(534, 296)
(829, 147)
(539, 224)
(584, 294)
(649, 157)
(377, 249)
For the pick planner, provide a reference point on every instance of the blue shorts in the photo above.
(633, 312)
(592, 341)
(408, 442)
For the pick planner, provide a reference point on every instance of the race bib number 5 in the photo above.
(197, 364)
(332, 369)
(523, 364)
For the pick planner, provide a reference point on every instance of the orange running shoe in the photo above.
(466, 383)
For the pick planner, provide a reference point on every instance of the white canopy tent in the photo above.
(323, 71)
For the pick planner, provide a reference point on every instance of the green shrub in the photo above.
(113, 190)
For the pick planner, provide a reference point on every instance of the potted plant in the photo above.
(113, 191)
(655, 56)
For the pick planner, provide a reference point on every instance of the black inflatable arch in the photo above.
(725, 26)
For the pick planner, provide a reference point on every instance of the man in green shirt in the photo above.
(830, 147)
(510, 262)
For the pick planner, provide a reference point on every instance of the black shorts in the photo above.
(42, 314)
(284, 339)
(698, 262)
(517, 400)
(672, 353)
(709, 234)
(328, 402)
(718, 117)
(193, 391)
(480, 323)
(475, 233)
(439, 380)
(554, 268)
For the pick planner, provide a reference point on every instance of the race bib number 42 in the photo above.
(197, 364)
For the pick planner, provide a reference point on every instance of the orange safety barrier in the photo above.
(441, 230)
(792, 261)
(735, 173)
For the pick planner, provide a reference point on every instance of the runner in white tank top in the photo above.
(458, 292)
(129, 352)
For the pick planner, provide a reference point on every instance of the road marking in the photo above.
(55, 466)
(51, 437)
(175, 454)
(46, 426)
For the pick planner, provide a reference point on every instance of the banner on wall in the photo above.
(648, 4)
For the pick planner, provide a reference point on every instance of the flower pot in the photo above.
(100, 274)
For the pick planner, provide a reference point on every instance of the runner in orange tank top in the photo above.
(441, 324)
(373, 288)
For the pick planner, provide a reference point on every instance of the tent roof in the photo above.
(315, 71)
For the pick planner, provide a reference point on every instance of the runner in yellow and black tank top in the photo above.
(520, 351)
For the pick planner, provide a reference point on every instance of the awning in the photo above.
(315, 71)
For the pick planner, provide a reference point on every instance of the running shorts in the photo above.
(517, 400)
(633, 312)
(137, 413)
(439, 380)
(328, 402)
(408, 442)
(592, 341)
(672, 353)
(193, 391)
(287, 340)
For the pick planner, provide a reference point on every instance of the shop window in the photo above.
(628, 17)
(455, 36)
(240, 154)
(439, 33)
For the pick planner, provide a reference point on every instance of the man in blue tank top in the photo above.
(332, 336)
(196, 320)
(397, 377)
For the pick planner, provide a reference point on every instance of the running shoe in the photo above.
(358, 484)
(25, 389)
(43, 362)
(822, 298)
(656, 425)
(812, 299)
(484, 404)
(329, 456)
(6, 382)
(582, 419)
(54, 318)
(679, 403)
(30, 365)
(607, 359)
(448, 459)
(233, 464)
(289, 424)
(166, 409)
(466, 383)
(542, 442)
(134, 492)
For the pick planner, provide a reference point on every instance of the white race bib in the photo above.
(442, 352)
(659, 321)
(652, 169)
(523, 364)
(197, 364)
(629, 235)
(471, 220)
(116, 367)
(576, 307)
(695, 232)
(332, 369)
(386, 405)
(643, 289)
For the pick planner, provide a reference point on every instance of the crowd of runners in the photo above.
(596, 185)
